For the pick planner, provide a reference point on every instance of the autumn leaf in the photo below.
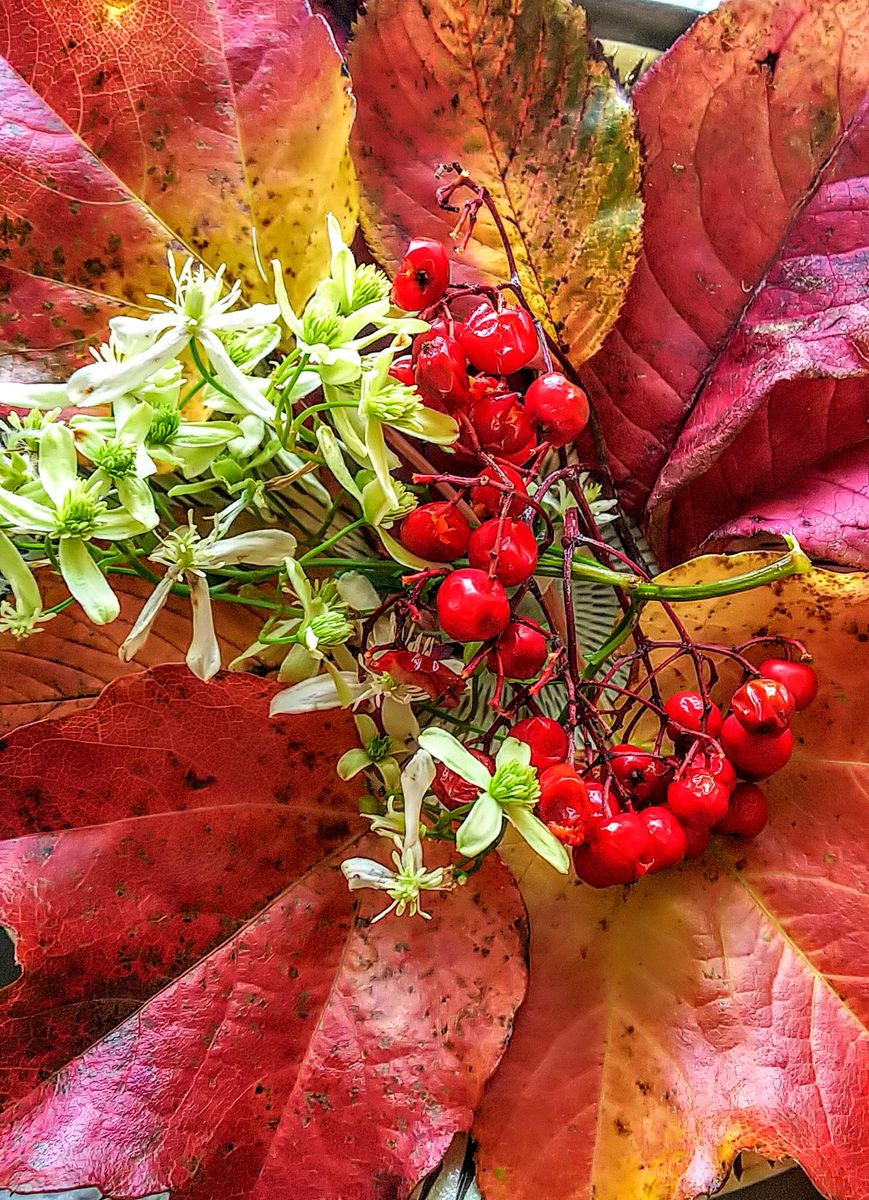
(736, 377)
(216, 129)
(67, 664)
(196, 987)
(514, 93)
(722, 1005)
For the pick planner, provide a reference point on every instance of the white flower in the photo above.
(199, 316)
(510, 791)
(75, 511)
(188, 556)
(378, 750)
(343, 689)
(403, 884)
(20, 618)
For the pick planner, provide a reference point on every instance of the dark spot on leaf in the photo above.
(197, 782)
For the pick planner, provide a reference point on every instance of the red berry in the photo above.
(668, 837)
(748, 813)
(755, 755)
(642, 774)
(558, 406)
(763, 706)
(451, 789)
(717, 765)
(548, 740)
(501, 425)
(441, 373)
(488, 498)
(439, 327)
(520, 651)
(799, 678)
(602, 804)
(472, 607)
(698, 798)
(436, 531)
(402, 370)
(563, 803)
(499, 342)
(509, 545)
(483, 386)
(696, 840)
(619, 851)
(422, 275)
(687, 715)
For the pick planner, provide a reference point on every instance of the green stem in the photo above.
(792, 563)
(207, 376)
(330, 541)
(619, 635)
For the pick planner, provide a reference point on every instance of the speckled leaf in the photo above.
(201, 1010)
(722, 1005)
(738, 365)
(514, 93)
(217, 127)
(68, 663)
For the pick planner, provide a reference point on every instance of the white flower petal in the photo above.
(17, 574)
(143, 624)
(311, 695)
(541, 840)
(203, 657)
(512, 750)
(260, 547)
(104, 382)
(366, 873)
(480, 827)
(86, 582)
(58, 467)
(416, 779)
(240, 386)
(448, 750)
(357, 592)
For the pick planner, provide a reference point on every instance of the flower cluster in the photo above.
(395, 478)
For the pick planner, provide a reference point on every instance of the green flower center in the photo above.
(321, 325)
(330, 628)
(116, 459)
(515, 783)
(78, 514)
(396, 403)
(369, 286)
(164, 425)
(379, 748)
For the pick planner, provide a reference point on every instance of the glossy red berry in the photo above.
(441, 373)
(602, 803)
(488, 495)
(687, 714)
(643, 775)
(436, 531)
(422, 275)
(520, 651)
(763, 706)
(668, 837)
(799, 678)
(698, 798)
(755, 756)
(563, 803)
(697, 838)
(471, 607)
(748, 812)
(619, 851)
(501, 425)
(717, 765)
(558, 407)
(499, 342)
(402, 370)
(484, 386)
(508, 546)
(451, 789)
(548, 740)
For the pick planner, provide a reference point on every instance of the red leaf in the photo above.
(219, 129)
(723, 1005)
(172, 865)
(722, 382)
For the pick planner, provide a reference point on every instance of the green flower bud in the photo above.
(393, 403)
(79, 512)
(321, 324)
(164, 425)
(329, 628)
(116, 458)
(369, 286)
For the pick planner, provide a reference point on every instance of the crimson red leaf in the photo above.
(749, 306)
(171, 864)
(216, 128)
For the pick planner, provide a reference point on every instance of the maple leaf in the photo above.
(196, 987)
(722, 1005)
(217, 129)
(518, 97)
(733, 389)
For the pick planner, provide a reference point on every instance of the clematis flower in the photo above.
(188, 555)
(409, 878)
(351, 288)
(74, 510)
(199, 316)
(510, 792)
(378, 750)
(21, 617)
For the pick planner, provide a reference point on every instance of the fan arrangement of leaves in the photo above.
(202, 1009)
